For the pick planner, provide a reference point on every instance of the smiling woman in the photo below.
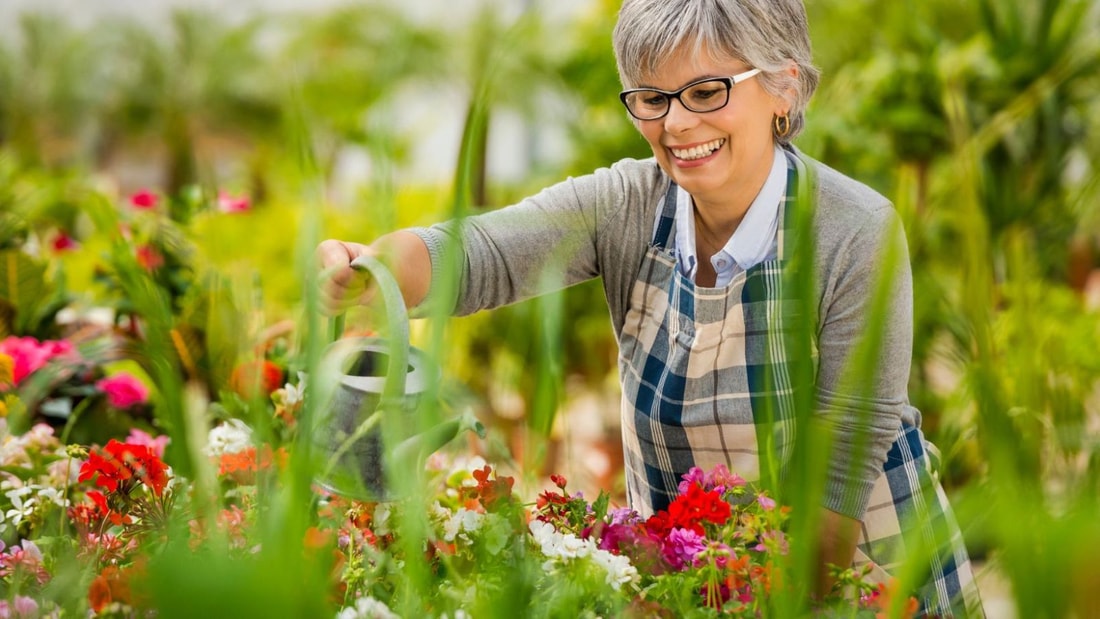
(698, 249)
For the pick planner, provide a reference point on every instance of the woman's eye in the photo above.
(654, 100)
(702, 94)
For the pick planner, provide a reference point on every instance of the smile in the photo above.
(698, 152)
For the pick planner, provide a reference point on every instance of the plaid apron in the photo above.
(693, 363)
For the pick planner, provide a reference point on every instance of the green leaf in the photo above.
(22, 285)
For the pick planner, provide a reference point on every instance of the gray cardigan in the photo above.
(601, 224)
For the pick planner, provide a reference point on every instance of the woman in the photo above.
(690, 246)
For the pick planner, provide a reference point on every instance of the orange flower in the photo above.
(111, 585)
(256, 379)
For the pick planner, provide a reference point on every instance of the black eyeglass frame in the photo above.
(669, 95)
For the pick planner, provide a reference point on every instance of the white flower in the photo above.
(463, 521)
(382, 519)
(367, 608)
(230, 437)
(293, 394)
(565, 547)
(619, 569)
(51, 494)
(21, 509)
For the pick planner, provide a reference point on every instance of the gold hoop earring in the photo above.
(782, 126)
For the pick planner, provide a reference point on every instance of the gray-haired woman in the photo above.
(691, 246)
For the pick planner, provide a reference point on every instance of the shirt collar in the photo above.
(754, 238)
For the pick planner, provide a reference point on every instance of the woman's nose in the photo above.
(679, 118)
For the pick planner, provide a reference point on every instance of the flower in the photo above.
(62, 242)
(148, 257)
(256, 379)
(29, 355)
(123, 464)
(232, 436)
(123, 390)
(367, 608)
(144, 199)
(140, 437)
(233, 204)
(111, 585)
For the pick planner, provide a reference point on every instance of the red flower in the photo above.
(120, 464)
(493, 492)
(144, 199)
(148, 257)
(256, 379)
(691, 510)
(103, 509)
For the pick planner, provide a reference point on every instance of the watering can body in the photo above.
(380, 386)
(354, 453)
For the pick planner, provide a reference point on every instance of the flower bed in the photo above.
(97, 517)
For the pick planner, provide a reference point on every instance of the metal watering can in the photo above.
(364, 433)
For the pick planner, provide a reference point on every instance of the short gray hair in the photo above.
(765, 34)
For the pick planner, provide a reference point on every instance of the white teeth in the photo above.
(698, 152)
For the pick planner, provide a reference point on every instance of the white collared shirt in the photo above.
(753, 242)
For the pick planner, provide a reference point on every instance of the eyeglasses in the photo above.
(706, 95)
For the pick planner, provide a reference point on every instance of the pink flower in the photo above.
(766, 503)
(233, 204)
(694, 475)
(721, 479)
(123, 390)
(156, 445)
(144, 200)
(25, 606)
(30, 355)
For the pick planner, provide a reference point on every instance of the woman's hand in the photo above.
(341, 286)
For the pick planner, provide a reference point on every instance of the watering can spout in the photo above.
(416, 448)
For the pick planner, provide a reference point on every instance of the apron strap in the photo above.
(668, 216)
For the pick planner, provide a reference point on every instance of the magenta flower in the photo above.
(30, 355)
(233, 204)
(156, 445)
(123, 390)
(694, 475)
(144, 200)
(63, 242)
(682, 546)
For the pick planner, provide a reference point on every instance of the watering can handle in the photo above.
(397, 319)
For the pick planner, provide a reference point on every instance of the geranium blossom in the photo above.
(123, 464)
(123, 390)
(231, 436)
(28, 355)
(144, 199)
(141, 437)
(228, 203)
(256, 379)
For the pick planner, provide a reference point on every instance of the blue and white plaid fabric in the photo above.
(693, 363)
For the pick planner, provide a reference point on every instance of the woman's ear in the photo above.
(790, 93)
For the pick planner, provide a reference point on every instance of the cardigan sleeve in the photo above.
(865, 343)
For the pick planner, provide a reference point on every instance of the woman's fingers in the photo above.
(341, 287)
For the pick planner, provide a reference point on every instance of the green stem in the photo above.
(71, 421)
